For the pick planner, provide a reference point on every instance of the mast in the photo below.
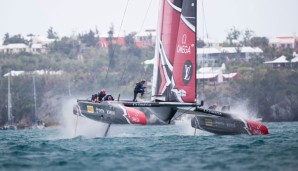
(34, 94)
(156, 54)
(9, 106)
(196, 54)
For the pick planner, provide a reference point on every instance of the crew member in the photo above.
(225, 108)
(108, 98)
(94, 98)
(101, 95)
(213, 107)
(139, 88)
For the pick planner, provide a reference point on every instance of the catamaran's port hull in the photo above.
(228, 125)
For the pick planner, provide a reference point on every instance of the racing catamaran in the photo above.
(174, 81)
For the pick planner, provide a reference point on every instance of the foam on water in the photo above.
(241, 110)
(79, 126)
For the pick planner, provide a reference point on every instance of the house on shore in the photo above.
(282, 62)
(145, 39)
(34, 45)
(215, 75)
(284, 42)
(14, 73)
(213, 55)
(14, 48)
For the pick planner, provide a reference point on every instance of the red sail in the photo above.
(184, 69)
(174, 74)
(169, 18)
(169, 28)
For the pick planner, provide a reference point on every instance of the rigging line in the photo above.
(203, 49)
(204, 17)
(122, 19)
(117, 86)
(145, 16)
(182, 113)
(123, 73)
(207, 40)
(113, 50)
(144, 72)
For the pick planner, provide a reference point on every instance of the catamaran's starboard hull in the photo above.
(228, 125)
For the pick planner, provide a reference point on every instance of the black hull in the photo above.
(102, 112)
(224, 124)
(123, 112)
(220, 125)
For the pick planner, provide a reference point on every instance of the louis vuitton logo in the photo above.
(187, 72)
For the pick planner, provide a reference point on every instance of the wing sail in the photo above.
(174, 70)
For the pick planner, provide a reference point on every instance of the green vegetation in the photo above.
(14, 39)
(52, 34)
(86, 68)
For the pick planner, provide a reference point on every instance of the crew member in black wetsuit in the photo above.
(108, 98)
(94, 98)
(139, 88)
(101, 95)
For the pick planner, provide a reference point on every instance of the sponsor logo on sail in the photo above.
(187, 72)
(183, 47)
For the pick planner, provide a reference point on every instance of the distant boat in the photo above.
(38, 124)
(10, 123)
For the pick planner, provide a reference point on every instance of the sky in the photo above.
(67, 17)
(269, 18)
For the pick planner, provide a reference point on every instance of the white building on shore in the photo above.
(35, 45)
(213, 55)
(215, 75)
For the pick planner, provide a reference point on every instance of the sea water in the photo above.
(126, 147)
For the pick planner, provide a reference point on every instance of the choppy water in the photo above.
(171, 147)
